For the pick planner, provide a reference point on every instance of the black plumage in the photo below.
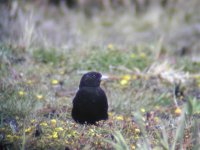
(90, 103)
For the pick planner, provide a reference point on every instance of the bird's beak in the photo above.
(104, 77)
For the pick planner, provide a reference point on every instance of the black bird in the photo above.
(90, 103)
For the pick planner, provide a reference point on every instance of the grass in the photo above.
(39, 76)
(111, 57)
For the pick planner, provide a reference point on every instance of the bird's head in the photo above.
(90, 79)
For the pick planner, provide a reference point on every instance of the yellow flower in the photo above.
(75, 132)
(123, 82)
(133, 55)
(2, 129)
(92, 132)
(120, 117)
(178, 111)
(54, 82)
(197, 76)
(127, 77)
(110, 113)
(55, 135)
(33, 121)
(59, 129)
(9, 137)
(39, 96)
(142, 55)
(30, 82)
(134, 77)
(136, 137)
(156, 119)
(62, 72)
(133, 147)
(137, 130)
(16, 137)
(110, 46)
(69, 135)
(146, 77)
(21, 93)
(142, 110)
(53, 122)
(44, 124)
(28, 130)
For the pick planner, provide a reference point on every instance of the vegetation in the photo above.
(149, 58)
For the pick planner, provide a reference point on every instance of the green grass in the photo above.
(103, 59)
(48, 56)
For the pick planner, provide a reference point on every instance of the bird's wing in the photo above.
(93, 96)
(102, 99)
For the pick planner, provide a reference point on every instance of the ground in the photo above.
(150, 62)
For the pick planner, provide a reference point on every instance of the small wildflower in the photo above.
(178, 111)
(21, 93)
(30, 82)
(9, 137)
(54, 82)
(133, 147)
(110, 46)
(55, 135)
(199, 84)
(142, 55)
(44, 124)
(33, 121)
(127, 77)
(142, 110)
(136, 137)
(137, 130)
(49, 136)
(197, 77)
(69, 135)
(75, 132)
(92, 132)
(133, 55)
(123, 82)
(134, 77)
(62, 72)
(28, 130)
(146, 77)
(157, 107)
(39, 96)
(16, 137)
(156, 119)
(53, 122)
(59, 129)
(181, 97)
(110, 113)
(120, 117)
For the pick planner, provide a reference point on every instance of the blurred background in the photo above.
(75, 24)
(148, 50)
